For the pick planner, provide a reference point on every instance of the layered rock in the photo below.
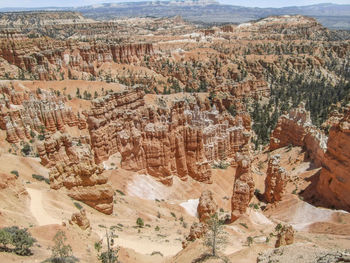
(62, 148)
(73, 168)
(334, 182)
(285, 236)
(296, 129)
(206, 206)
(23, 112)
(180, 140)
(84, 181)
(275, 181)
(80, 219)
(243, 188)
(48, 59)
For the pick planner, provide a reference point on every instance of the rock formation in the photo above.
(275, 181)
(181, 140)
(85, 182)
(43, 112)
(207, 206)
(243, 188)
(47, 59)
(197, 230)
(285, 236)
(80, 219)
(73, 168)
(296, 129)
(334, 182)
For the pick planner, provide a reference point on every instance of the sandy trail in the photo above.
(38, 210)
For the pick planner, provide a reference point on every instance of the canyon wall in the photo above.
(54, 59)
(334, 182)
(296, 129)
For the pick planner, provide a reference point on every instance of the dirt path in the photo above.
(38, 210)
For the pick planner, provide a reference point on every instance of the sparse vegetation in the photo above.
(215, 237)
(61, 252)
(110, 255)
(120, 192)
(15, 172)
(139, 222)
(41, 178)
(20, 240)
(77, 205)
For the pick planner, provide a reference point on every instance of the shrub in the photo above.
(26, 149)
(15, 172)
(221, 165)
(249, 240)
(173, 214)
(20, 239)
(244, 225)
(156, 252)
(120, 192)
(77, 205)
(41, 178)
(156, 228)
(139, 222)
(61, 252)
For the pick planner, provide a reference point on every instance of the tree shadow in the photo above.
(206, 256)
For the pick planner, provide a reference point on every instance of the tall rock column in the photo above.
(243, 188)
(276, 180)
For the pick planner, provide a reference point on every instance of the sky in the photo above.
(250, 3)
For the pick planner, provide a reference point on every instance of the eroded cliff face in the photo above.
(296, 129)
(73, 168)
(51, 59)
(181, 140)
(23, 112)
(243, 188)
(334, 182)
(276, 180)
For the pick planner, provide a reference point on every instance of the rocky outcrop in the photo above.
(334, 182)
(197, 230)
(84, 181)
(296, 129)
(62, 148)
(181, 140)
(206, 206)
(80, 219)
(285, 236)
(48, 59)
(22, 112)
(243, 188)
(275, 181)
(73, 168)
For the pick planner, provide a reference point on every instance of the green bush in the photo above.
(41, 178)
(139, 222)
(77, 205)
(20, 240)
(244, 225)
(15, 172)
(26, 149)
(120, 192)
